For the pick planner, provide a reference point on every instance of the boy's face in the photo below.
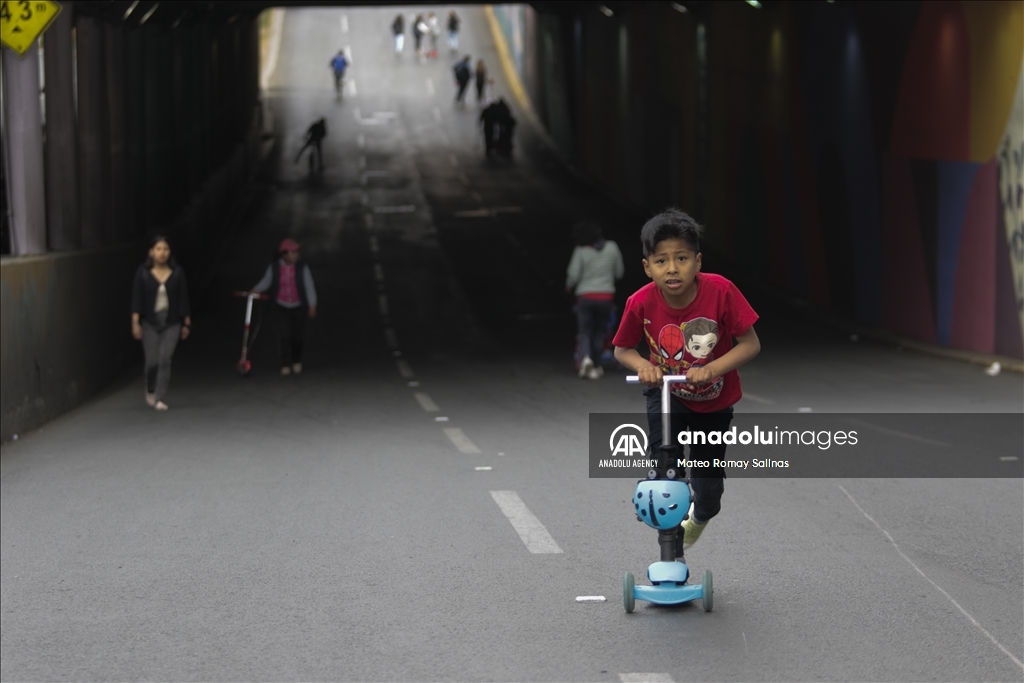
(291, 257)
(673, 265)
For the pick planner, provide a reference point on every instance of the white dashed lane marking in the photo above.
(460, 440)
(646, 678)
(529, 528)
(426, 402)
(405, 369)
(383, 302)
(391, 337)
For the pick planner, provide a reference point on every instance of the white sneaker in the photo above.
(596, 372)
(586, 365)
(285, 371)
(150, 400)
(297, 368)
(161, 406)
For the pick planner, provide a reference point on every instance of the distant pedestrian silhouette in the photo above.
(398, 29)
(463, 72)
(498, 124)
(481, 80)
(314, 137)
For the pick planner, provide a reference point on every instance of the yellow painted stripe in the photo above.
(507, 64)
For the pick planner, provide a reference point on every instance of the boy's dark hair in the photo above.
(586, 233)
(671, 224)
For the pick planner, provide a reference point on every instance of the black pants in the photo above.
(708, 483)
(291, 327)
(462, 90)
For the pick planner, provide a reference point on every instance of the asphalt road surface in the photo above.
(416, 507)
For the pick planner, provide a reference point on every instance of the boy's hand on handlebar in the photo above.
(650, 375)
(698, 376)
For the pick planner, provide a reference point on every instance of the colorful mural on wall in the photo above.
(873, 151)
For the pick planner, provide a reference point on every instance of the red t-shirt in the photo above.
(680, 338)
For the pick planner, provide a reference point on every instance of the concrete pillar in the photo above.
(24, 141)
(93, 147)
(62, 225)
(114, 62)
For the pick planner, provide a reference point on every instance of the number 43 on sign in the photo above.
(22, 22)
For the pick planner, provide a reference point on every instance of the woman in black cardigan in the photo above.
(160, 316)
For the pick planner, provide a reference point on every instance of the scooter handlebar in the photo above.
(254, 295)
(670, 379)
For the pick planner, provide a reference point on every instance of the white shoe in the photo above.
(596, 372)
(285, 371)
(586, 365)
(150, 400)
(297, 368)
(161, 406)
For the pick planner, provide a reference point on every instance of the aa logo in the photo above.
(631, 442)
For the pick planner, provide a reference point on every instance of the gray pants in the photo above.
(158, 347)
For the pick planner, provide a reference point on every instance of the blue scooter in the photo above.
(661, 501)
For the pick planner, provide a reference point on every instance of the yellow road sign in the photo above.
(21, 22)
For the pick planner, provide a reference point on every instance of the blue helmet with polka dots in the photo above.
(661, 503)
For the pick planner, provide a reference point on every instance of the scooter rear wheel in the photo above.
(709, 591)
(628, 595)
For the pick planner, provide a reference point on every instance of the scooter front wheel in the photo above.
(709, 591)
(628, 594)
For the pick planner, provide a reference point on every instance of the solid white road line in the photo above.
(460, 440)
(426, 402)
(645, 678)
(344, 23)
(405, 369)
(935, 585)
(529, 528)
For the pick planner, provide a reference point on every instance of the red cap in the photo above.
(288, 244)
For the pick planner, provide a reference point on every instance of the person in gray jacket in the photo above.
(595, 265)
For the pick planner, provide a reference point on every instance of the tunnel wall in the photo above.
(861, 156)
(191, 124)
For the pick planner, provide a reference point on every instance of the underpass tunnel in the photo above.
(853, 163)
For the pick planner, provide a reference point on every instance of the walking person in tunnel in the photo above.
(161, 316)
(463, 72)
(338, 65)
(314, 139)
(499, 125)
(453, 31)
(398, 30)
(595, 265)
(481, 80)
(419, 27)
(289, 284)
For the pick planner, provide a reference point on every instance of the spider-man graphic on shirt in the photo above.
(688, 345)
